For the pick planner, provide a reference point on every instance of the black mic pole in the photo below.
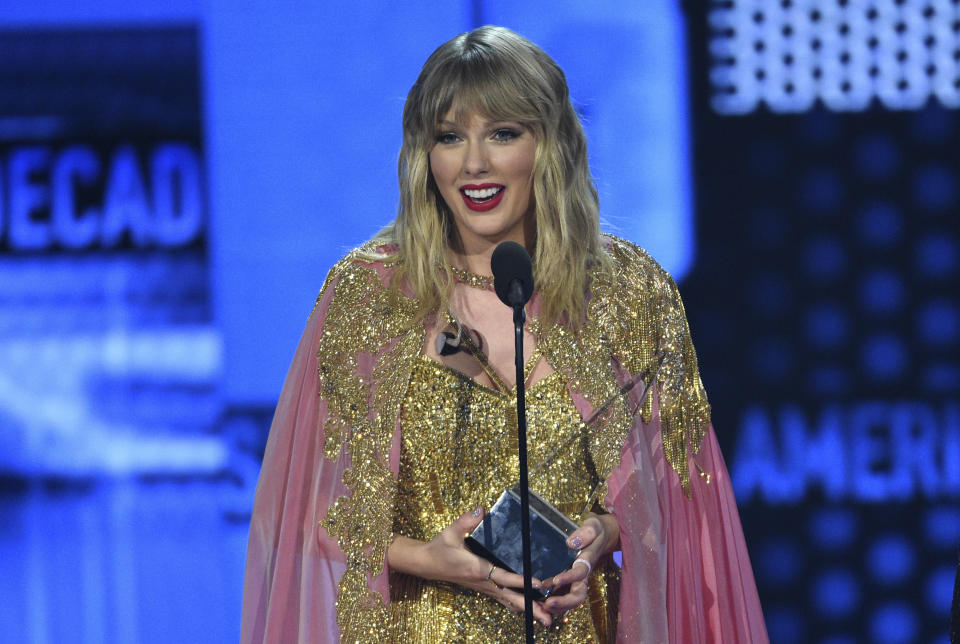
(519, 317)
(513, 282)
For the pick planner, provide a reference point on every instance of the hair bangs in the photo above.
(496, 98)
(477, 82)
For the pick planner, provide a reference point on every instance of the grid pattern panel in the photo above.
(786, 55)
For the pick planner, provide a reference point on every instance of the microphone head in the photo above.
(511, 262)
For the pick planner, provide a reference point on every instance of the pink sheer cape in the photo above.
(686, 572)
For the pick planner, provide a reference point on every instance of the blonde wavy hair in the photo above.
(502, 76)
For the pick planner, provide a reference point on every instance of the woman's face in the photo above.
(484, 171)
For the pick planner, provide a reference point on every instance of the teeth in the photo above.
(485, 193)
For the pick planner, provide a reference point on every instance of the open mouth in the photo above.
(482, 195)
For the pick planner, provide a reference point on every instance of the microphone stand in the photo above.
(519, 317)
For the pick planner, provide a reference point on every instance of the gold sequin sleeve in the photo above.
(323, 507)
(649, 325)
(364, 360)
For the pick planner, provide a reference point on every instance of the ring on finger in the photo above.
(585, 563)
(490, 574)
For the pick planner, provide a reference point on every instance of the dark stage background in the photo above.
(824, 303)
(176, 178)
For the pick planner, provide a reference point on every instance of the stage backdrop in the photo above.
(176, 178)
(824, 303)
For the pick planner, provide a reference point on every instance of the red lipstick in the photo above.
(488, 204)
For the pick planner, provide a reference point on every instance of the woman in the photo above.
(394, 429)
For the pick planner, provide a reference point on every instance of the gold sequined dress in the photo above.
(365, 421)
(459, 452)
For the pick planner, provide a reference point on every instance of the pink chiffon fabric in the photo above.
(686, 573)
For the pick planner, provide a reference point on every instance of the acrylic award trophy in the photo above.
(498, 537)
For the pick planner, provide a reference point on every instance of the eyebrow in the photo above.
(448, 123)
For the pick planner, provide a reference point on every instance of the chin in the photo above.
(492, 227)
(496, 234)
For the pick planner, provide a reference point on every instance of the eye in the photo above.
(506, 134)
(447, 138)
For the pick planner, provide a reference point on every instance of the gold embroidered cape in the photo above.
(323, 514)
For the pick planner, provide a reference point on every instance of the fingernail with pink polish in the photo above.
(477, 512)
(577, 542)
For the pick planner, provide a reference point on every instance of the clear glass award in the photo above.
(498, 538)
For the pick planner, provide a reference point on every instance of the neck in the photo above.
(473, 255)
(477, 262)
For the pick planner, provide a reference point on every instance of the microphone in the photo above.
(512, 273)
(513, 282)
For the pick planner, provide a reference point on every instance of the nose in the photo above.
(475, 161)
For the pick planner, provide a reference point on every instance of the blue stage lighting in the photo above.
(820, 127)
(941, 526)
(838, 639)
(829, 379)
(937, 256)
(772, 358)
(894, 623)
(833, 528)
(891, 559)
(941, 377)
(846, 55)
(780, 561)
(884, 356)
(784, 625)
(769, 229)
(770, 293)
(836, 593)
(880, 224)
(933, 124)
(877, 156)
(821, 191)
(882, 292)
(938, 323)
(824, 258)
(827, 325)
(935, 188)
(939, 589)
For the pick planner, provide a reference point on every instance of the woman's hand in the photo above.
(598, 535)
(446, 558)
